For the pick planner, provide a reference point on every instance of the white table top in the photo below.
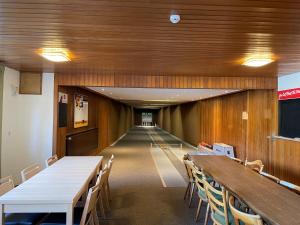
(61, 183)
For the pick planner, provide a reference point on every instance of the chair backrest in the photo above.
(256, 165)
(30, 172)
(189, 169)
(90, 205)
(51, 160)
(112, 157)
(247, 219)
(290, 186)
(6, 184)
(199, 176)
(217, 201)
(271, 177)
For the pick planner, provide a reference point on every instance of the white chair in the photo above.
(110, 163)
(87, 216)
(243, 217)
(6, 184)
(51, 160)
(270, 177)
(30, 171)
(290, 186)
(256, 165)
(191, 185)
(199, 181)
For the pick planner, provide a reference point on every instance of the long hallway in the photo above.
(148, 184)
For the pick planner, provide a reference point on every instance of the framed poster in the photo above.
(62, 109)
(81, 111)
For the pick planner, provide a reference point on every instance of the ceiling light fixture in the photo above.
(55, 54)
(174, 18)
(257, 61)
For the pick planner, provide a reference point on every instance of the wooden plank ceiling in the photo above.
(135, 37)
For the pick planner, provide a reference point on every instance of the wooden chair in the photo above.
(271, 177)
(102, 196)
(220, 214)
(87, 215)
(30, 171)
(7, 184)
(189, 165)
(51, 160)
(199, 176)
(290, 186)
(110, 163)
(256, 165)
(245, 218)
(237, 160)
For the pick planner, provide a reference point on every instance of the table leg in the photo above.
(2, 216)
(70, 215)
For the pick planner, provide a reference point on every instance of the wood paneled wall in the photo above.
(112, 119)
(111, 80)
(220, 120)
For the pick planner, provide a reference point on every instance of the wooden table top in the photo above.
(274, 203)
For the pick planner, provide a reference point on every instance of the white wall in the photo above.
(27, 125)
(289, 82)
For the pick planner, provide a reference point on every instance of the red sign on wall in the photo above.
(289, 94)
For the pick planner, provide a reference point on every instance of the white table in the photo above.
(55, 189)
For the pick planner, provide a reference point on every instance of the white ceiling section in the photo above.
(156, 97)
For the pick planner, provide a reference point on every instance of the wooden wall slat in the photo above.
(111, 80)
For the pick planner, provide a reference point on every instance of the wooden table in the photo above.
(55, 189)
(274, 203)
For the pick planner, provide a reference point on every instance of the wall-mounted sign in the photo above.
(289, 94)
(62, 97)
(81, 111)
(62, 109)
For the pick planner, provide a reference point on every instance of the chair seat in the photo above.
(60, 218)
(23, 218)
(221, 219)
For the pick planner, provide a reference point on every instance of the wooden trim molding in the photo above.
(154, 81)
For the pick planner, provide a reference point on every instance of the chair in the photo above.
(30, 171)
(82, 216)
(256, 165)
(270, 177)
(191, 184)
(199, 176)
(236, 160)
(110, 163)
(217, 202)
(51, 160)
(7, 184)
(101, 181)
(245, 218)
(290, 186)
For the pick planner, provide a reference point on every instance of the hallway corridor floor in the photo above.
(148, 184)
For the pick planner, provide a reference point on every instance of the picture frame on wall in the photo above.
(81, 111)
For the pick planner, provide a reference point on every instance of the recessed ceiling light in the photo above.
(102, 89)
(257, 61)
(55, 54)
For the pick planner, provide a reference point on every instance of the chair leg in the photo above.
(191, 193)
(108, 191)
(198, 209)
(187, 190)
(95, 217)
(206, 215)
(102, 211)
(106, 199)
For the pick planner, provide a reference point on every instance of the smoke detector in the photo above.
(174, 18)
